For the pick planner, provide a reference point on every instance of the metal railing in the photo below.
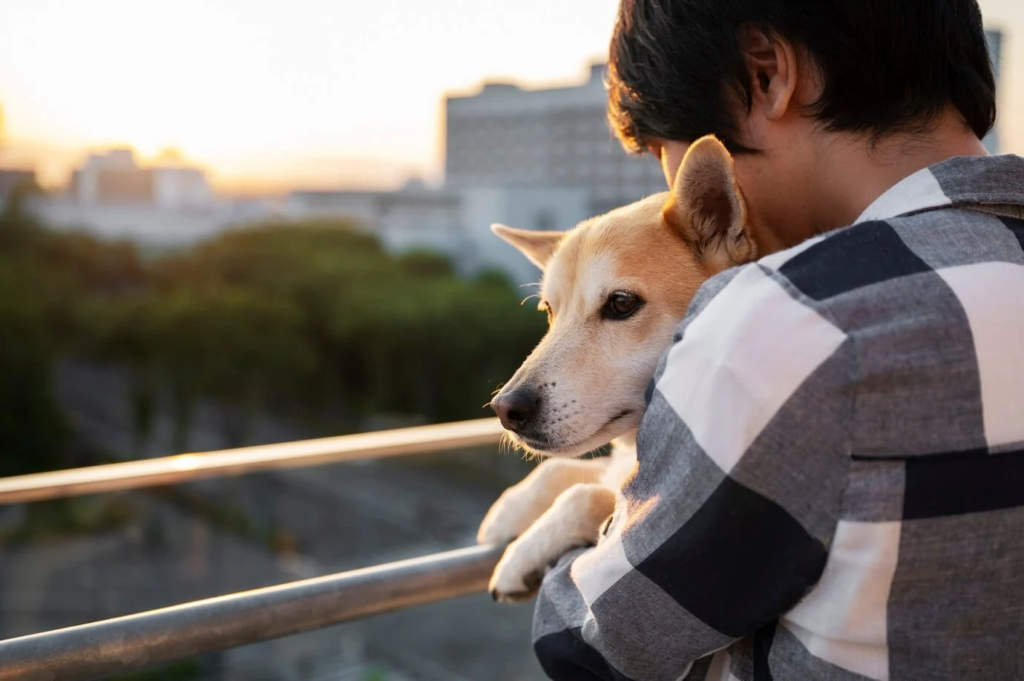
(188, 467)
(133, 642)
(123, 644)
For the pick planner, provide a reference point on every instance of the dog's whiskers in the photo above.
(507, 444)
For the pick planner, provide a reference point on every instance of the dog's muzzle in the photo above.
(517, 408)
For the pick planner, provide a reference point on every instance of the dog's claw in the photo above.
(513, 596)
(532, 581)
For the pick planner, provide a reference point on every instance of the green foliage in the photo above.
(47, 281)
(318, 314)
(32, 432)
(425, 264)
(310, 320)
(374, 674)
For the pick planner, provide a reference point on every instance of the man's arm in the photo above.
(743, 457)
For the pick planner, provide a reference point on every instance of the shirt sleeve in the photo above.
(725, 524)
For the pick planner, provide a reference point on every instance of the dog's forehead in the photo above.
(578, 269)
(632, 247)
(592, 257)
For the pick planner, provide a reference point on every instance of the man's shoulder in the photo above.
(908, 257)
(874, 278)
(854, 262)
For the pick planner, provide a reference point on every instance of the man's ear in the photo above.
(771, 65)
(538, 247)
(706, 207)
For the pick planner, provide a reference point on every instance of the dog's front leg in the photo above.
(522, 504)
(574, 520)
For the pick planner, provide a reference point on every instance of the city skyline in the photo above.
(321, 96)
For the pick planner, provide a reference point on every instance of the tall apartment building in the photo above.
(507, 136)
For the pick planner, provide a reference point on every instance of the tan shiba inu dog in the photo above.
(614, 288)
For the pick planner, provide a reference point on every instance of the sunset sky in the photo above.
(267, 95)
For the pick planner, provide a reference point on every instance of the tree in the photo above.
(312, 320)
(32, 430)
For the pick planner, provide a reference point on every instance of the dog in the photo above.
(614, 289)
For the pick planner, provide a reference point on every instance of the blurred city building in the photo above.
(415, 216)
(114, 177)
(530, 158)
(450, 220)
(164, 203)
(12, 179)
(505, 136)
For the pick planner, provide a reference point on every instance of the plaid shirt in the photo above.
(831, 468)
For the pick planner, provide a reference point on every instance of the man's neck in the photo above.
(858, 170)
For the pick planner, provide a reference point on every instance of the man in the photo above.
(831, 469)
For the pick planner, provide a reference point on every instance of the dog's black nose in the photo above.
(517, 408)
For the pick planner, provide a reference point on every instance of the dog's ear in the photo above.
(538, 247)
(706, 207)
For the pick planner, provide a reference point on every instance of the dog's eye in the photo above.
(621, 305)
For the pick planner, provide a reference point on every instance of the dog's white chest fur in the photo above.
(621, 462)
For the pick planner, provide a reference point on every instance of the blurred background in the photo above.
(231, 222)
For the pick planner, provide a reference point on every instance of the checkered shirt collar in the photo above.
(962, 180)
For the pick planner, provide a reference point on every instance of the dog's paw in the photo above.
(521, 569)
(518, 593)
(508, 518)
(517, 576)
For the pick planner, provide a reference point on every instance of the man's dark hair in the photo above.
(676, 71)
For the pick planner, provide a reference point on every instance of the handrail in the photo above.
(127, 643)
(187, 467)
